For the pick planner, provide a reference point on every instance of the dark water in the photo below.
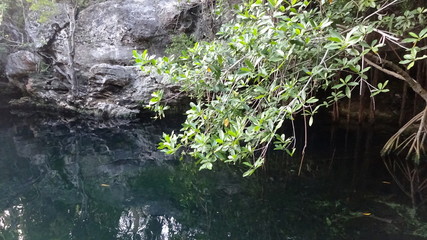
(96, 180)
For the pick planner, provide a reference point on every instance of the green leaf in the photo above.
(335, 39)
(413, 35)
(312, 100)
(409, 40)
(248, 164)
(249, 172)
(273, 2)
(348, 92)
(249, 64)
(135, 54)
(423, 33)
(207, 165)
(405, 61)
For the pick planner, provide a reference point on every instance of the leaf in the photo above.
(135, 54)
(275, 59)
(348, 92)
(312, 100)
(259, 96)
(423, 33)
(413, 35)
(272, 2)
(226, 122)
(310, 121)
(248, 164)
(244, 70)
(408, 56)
(325, 23)
(335, 39)
(409, 40)
(334, 33)
(355, 69)
(249, 64)
(249, 172)
(206, 165)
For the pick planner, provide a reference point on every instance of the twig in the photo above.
(379, 10)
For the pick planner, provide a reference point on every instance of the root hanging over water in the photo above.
(409, 139)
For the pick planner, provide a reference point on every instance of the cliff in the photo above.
(82, 63)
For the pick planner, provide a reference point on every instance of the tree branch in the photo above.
(396, 72)
(391, 73)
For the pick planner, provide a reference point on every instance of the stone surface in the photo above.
(19, 66)
(119, 91)
(42, 26)
(106, 33)
(21, 63)
(109, 31)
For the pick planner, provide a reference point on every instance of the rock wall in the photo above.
(106, 33)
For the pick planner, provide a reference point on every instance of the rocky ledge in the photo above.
(107, 84)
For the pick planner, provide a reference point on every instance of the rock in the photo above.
(20, 64)
(119, 91)
(3, 58)
(7, 92)
(105, 75)
(43, 26)
(106, 34)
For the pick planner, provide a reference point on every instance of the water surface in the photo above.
(70, 179)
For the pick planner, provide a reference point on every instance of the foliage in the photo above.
(49, 8)
(180, 42)
(415, 223)
(263, 70)
(46, 8)
(3, 7)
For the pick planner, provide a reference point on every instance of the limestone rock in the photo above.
(106, 34)
(20, 65)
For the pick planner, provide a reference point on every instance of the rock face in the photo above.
(126, 88)
(109, 31)
(20, 65)
(105, 35)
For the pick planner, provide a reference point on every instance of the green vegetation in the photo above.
(179, 43)
(45, 8)
(266, 67)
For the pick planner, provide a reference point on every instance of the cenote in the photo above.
(65, 179)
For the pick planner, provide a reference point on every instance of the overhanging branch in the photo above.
(397, 72)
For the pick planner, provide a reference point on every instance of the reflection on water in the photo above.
(94, 180)
(411, 178)
(134, 224)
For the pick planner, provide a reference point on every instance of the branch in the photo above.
(391, 73)
(396, 72)
(379, 10)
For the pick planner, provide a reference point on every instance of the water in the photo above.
(64, 179)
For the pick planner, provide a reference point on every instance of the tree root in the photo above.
(414, 143)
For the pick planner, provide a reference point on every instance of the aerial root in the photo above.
(414, 143)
